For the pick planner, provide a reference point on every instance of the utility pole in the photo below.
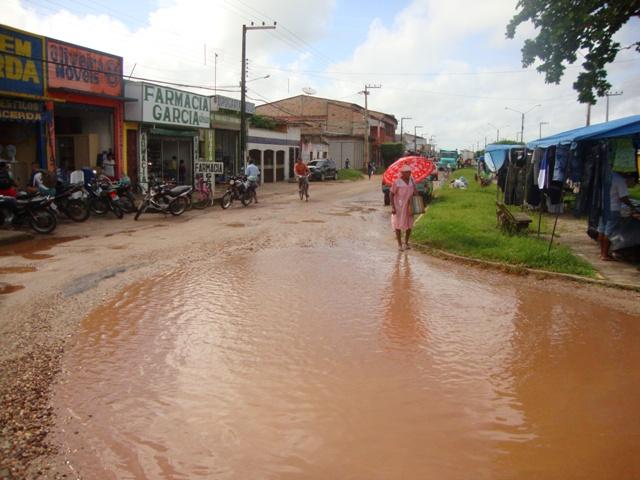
(540, 126)
(611, 94)
(522, 116)
(243, 88)
(588, 114)
(366, 121)
(415, 138)
(402, 119)
(215, 74)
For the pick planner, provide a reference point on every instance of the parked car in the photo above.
(323, 169)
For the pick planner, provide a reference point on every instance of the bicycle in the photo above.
(303, 186)
(202, 196)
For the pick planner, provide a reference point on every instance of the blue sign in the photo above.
(21, 57)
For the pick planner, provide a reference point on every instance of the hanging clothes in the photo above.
(624, 155)
(563, 155)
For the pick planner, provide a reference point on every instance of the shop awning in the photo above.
(169, 132)
(495, 155)
(621, 127)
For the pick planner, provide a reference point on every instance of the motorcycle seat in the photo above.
(25, 195)
(179, 190)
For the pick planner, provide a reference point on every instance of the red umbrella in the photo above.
(421, 168)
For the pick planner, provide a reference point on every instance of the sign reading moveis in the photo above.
(174, 107)
(20, 62)
(81, 69)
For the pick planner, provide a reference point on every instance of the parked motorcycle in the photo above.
(165, 199)
(239, 189)
(28, 209)
(125, 193)
(69, 201)
(103, 197)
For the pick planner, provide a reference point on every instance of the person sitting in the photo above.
(618, 194)
(7, 184)
(253, 173)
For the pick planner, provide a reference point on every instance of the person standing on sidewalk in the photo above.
(402, 191)
(371, 169)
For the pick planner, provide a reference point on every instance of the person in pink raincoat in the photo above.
(402, 190)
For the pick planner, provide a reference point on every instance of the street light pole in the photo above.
(497, 130)
(611, 94)
(243, 88)
(522, 114)
(415, 138)
(402, 119)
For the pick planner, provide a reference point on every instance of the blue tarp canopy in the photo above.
(622, 127)
(496, 154)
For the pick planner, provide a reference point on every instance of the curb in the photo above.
(9, 237)
(520, 270)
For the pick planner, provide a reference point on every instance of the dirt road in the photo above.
(292, 340)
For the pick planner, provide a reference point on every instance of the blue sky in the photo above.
(446, 64)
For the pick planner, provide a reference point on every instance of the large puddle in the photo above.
(335, 363)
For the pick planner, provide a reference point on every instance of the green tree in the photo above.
(258, 121)
(391, 151)
(567, 27)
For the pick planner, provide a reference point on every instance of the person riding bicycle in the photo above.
(253, 173)
(302, 172)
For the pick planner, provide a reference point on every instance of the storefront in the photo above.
(226, 123)
(88, 123)
(24, 119)
(170, 129)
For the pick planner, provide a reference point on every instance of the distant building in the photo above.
(333, 128)
(416, 142)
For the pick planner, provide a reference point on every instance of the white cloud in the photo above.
(461, 39)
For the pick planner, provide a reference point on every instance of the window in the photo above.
(310, 155)
(324, 155)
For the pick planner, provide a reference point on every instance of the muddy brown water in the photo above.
(31, 249)
(340, 363)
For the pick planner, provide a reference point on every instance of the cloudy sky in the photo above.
(446, 64)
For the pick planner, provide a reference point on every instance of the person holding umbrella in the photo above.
(402, 191)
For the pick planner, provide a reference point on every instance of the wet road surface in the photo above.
(330, 363)
(334, 356)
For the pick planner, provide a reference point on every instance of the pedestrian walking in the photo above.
(402, 191)
(347, 164)
(371, 169)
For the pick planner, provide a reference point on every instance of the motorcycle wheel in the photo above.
(178, 206)
(99, 206)
(226, 200)
(141, 209)
(78, 210)
(246, 199)
(43, 221)
(117, 211)
(127, 205)
(199, 200)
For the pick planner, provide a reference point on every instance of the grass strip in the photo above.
(464, 222)
(350, 174)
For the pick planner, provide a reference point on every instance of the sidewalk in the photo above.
(13, 236)
(572, 233)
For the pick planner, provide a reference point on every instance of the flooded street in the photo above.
(292, 340)
(342, 358)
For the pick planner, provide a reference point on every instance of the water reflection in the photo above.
(342, 363)
(404, 323)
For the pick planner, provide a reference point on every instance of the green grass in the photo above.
(634, 192)
(350, 174)
(464, 222)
